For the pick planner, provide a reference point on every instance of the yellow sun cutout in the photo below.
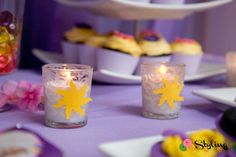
(73, 99)
(170, 92)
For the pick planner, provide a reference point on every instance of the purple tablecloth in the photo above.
(115, 114)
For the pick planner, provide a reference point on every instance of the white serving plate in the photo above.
(206, 70)
(140, 147)
(224, 96)
(130, 10)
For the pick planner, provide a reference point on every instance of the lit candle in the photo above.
(162, 85)
(67, 90)
(231, 69)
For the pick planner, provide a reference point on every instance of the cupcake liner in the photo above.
(192, 62)
(116, 61)
(70, 52)
(149, 59)
(87, 55)
(169, 1)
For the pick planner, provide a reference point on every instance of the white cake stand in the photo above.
(131, 10)
(138, 11)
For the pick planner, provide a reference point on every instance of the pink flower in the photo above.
(24, 95)
(3, 99)
(29, 96)
(7, 93)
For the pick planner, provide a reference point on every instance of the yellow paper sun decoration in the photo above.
(170, 92)
(73, 99)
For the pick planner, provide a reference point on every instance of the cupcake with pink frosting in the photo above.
(188, 52)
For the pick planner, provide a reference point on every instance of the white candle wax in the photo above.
(153, 80)
(151, 100)
(58, 114)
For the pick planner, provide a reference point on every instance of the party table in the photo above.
(115, 114)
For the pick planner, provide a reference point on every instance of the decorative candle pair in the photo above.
(162, 84)
(67, 90)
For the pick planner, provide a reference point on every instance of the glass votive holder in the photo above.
(231, 68)
(67, 93)
(162, 85)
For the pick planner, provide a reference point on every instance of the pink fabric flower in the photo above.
(24, 95)
(3, 99)
(29, 95)
(7, 93)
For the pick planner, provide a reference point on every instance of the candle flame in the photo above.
(66, 73)
(162, 69)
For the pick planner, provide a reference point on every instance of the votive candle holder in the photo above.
(162, 85)
(67, 93)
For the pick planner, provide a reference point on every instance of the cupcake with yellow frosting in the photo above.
(87, 51)
(73, 39)
(155, 48)
(119, 53)
(188, 52)
(202, 143)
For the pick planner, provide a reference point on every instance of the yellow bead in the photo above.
(4, 35)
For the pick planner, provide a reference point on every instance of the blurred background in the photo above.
(45, 22)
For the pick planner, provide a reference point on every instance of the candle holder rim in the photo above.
(170, 64)
(83, 67)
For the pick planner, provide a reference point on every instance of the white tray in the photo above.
(224, 96)
(140, 147)
(130, 10)
(206, 70)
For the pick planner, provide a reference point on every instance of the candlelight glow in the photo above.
(66, 73)
(162, 69)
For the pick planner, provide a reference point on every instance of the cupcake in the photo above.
(155, 48)
(73, 39)
(205, 142)
(188, 52)
(87, 51)
(168, 1)
(120, 53)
